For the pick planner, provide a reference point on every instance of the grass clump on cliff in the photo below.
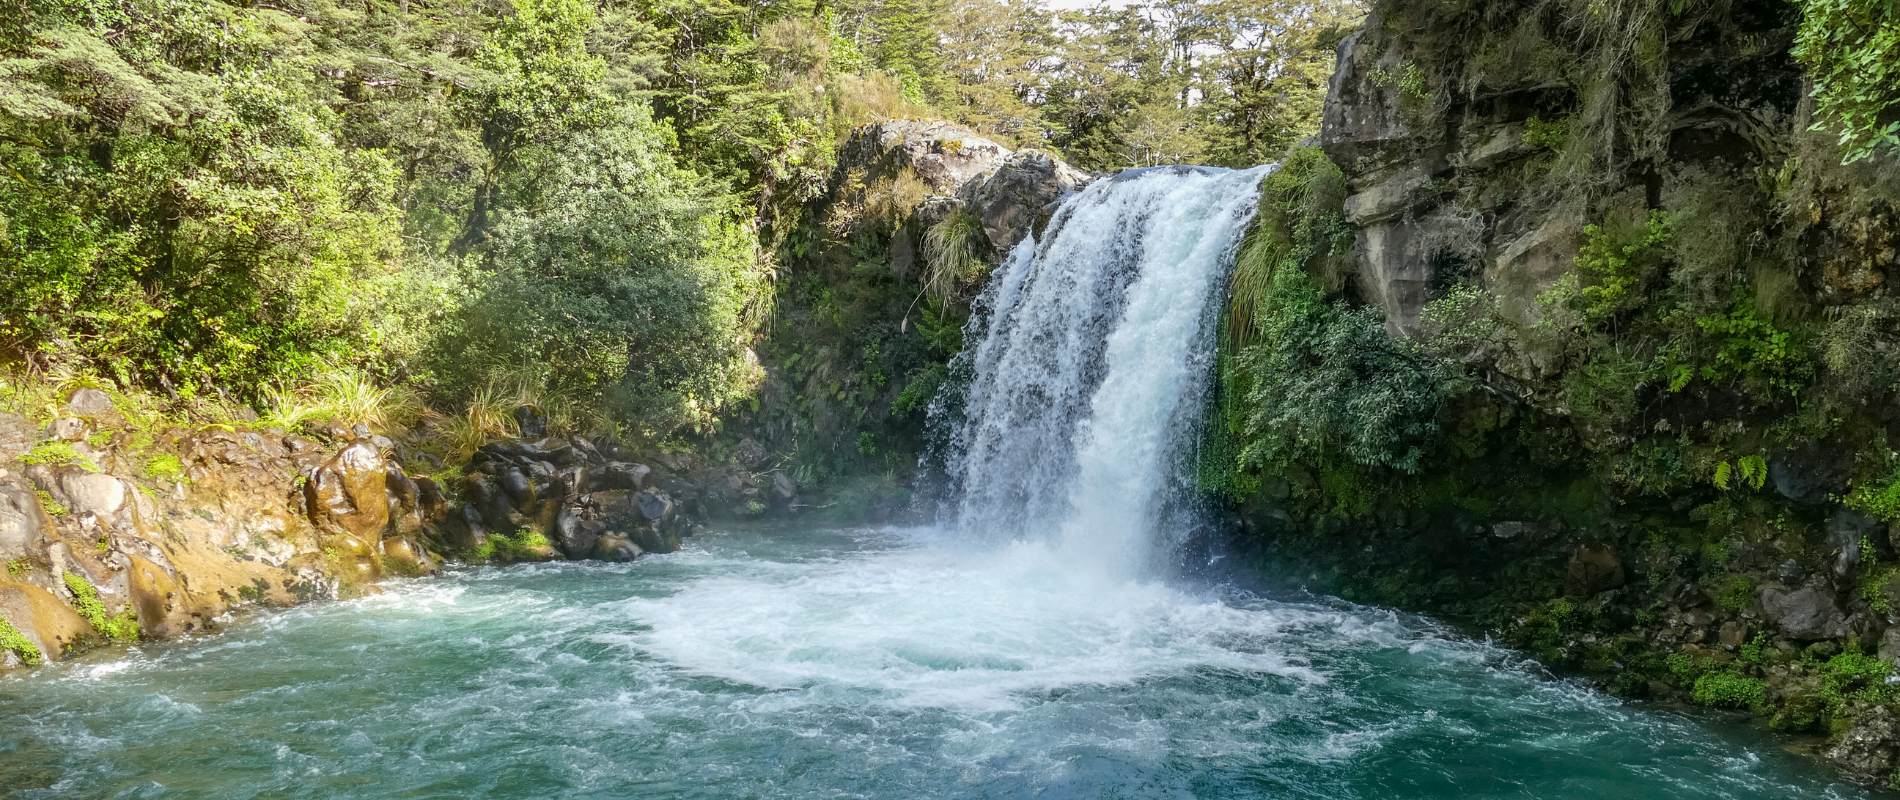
(13, 641)
(120, 627)
(954, 256)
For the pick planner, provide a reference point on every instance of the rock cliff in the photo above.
(1648, 335)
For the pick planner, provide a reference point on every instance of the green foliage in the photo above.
(524, 544)
(1751, 469)
(51, 506)
(1876, 581)
(1851, 49)
(1328, 383)
(120, 627)
(1729, 690)
(17, 568)
(633, 299)
(343, 395)
(1542, 135)
(56, 453)
(1616, 262)
(1408, 80)
(1749, 349)
(1878, 498)
(1854, 676)
(13, 641)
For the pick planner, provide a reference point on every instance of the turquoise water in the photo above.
(878, 664)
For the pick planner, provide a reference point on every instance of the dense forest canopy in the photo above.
(207, 199)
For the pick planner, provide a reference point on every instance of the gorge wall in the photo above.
(1573, 330)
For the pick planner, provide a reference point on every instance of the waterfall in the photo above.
(1089, 361)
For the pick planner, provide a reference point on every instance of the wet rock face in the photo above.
(589, 504)
(1020, 195)
(1870, 749)
(1808, 613)
(1593, 569)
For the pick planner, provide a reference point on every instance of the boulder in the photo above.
(1808, 613)
(615, 548)
(943, 155)
(1812, 474)
(1020, 195)
(617, 476)
(68, 429)
(92, 493)
(90, 403)
(23, 522)
(350, 493)
(519, 489)
(44, 619)
(1593, 569)
(654, 507)
(531, 422)
(784, 489)
(574, 533)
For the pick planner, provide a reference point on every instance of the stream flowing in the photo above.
(900, 664)
(1044, 641)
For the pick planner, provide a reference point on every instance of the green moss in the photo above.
(1729, 690)
(59, 454)
(1874, 582)
(17, 568)
(165, 467)
(484, 551)
(52, 507)
(121, 627)
(13, 641)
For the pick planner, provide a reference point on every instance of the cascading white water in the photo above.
(1091, 353)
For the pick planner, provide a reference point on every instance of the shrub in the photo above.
(1852, 51)
(616, 280)
(1878, 498)
(1328, 382)
(1729, 690)
(1855, 676)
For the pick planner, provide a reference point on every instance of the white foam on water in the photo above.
(943, 626)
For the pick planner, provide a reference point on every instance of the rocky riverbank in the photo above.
(110, 533)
